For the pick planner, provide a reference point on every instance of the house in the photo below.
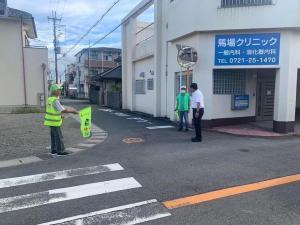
(70, 74)
(247, 65)
(91, 62)
(23, 68)
(106, 88)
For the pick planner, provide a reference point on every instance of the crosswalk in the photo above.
(134, 213)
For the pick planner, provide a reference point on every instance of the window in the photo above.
(140, 88)
(229, 82)
(186, 80)
(150, 84)
(3, 9)
(244, 3)
(93, 55)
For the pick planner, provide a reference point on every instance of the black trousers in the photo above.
(57, 144)
(197, 123)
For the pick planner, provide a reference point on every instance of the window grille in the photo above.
(140, 87)
(229, 82)
(150, 84)
(244, 3)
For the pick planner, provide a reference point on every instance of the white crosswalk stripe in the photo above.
(159, 127)
(65, 194)
(134, 213)
(126, 215)
(17, 181)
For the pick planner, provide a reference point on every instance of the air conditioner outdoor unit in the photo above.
(3, 8)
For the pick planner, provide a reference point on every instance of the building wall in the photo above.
(34, 58)
(298, 92)
(11, 76)
(222, 103)
(211, 17)
(144, 102)
(12, 91)
(200, 34)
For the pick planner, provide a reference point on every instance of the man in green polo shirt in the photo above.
(54, 120)
(183, 108)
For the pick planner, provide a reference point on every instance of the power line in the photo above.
(64, 7)
(106, 35)
(92, 27)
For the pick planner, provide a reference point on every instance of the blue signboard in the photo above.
(247, 49)
(240, 102)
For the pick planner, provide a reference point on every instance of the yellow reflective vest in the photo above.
(53, 117)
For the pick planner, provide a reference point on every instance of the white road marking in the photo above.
(121, 114)
(99, 134)
(101, 137)
(135, 118)
(159, 127)
(59, 175)
(20, 161)
(65, 194)
(95, 141)
(86, 145)
(126, 215)
(106, 110)
(142, 121)
(71, 149)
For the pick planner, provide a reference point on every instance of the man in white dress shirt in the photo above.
(198, 111)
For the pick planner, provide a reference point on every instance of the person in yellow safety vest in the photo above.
(54, 120)
(183, 107)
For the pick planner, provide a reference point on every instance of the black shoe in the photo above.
(180, 129)
(196, 140)
(186, 130)
(63, 153)
(53, 153)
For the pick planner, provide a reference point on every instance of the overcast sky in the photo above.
(77, 16)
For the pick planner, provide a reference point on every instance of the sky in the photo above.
(77, 17)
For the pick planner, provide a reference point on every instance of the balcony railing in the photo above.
(100, 64)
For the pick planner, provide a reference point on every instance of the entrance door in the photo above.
(265, 95)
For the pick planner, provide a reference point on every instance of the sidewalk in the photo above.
(255, 129)
(24, 135)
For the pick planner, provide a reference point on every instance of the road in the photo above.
(148, 182)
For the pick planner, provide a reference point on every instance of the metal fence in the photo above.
(114, 99)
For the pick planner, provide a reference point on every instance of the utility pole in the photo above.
(89, 58)
(54, 19)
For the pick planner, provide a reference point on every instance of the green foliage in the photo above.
(116, 87)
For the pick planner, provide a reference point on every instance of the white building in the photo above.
(23, 68)
(247, 49)
(92, 62)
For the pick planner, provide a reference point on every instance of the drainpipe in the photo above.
(44, 80)
(23, 62)
(167, 73)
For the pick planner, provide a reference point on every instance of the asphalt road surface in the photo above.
(157, 176)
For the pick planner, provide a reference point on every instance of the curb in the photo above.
(98, 137)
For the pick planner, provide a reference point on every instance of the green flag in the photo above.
(86, 122)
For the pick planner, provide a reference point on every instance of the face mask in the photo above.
(182, 91)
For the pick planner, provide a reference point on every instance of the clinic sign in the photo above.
(247, 49)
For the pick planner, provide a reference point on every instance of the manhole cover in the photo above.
(133, 140)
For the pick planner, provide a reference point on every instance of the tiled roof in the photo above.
(115, 73)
